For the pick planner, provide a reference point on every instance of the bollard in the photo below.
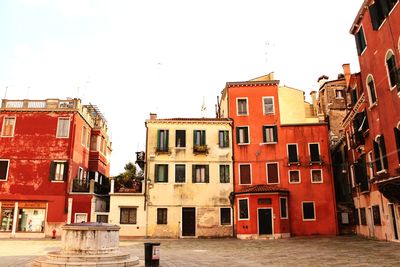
(54, 234)
(151, 254)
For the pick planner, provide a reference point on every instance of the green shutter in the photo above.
(207, 178)
(221, 173)
(65, 177)
(264, 134)
(377, 160)
(194, 137)
(275, 133)
(384, 155)
(52, 171)
(158, 138)
(246, 133)
(237, 135)
(203, 138)
(193, 173)
(166, 140)
(166, 173)
(156, 172)
(226, 138)
(397, 137)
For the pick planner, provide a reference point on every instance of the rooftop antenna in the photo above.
(203, 108)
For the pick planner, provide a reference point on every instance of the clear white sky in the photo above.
(134, 57)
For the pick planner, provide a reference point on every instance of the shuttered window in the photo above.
(381, 161)
(199, 137)
(223, 139)
(245, 174)
(224, 174)
(379, 10)
(292, 153)
(59, 171)
(270, 134)
(162, 216)
(376, 215)
(360, 41)
(200, 174)
(242, 135)
(363, 216)
(272, 173)
(161, 173)
(128, 216)
(371, 89)
(162, 140)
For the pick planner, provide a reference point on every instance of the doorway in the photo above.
(394, 221)
(265, 221)
(370, 222)
(188, 221)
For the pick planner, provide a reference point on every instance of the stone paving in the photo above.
(315, 251)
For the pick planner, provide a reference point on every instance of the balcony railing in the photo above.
(102, 189)
(81, 186)
(200, 149)
(121, 186)
(40, 104)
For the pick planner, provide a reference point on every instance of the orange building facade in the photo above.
(283, 183)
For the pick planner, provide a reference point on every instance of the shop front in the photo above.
(23, 218)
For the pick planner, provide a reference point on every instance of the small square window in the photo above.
(242, 135)
(128, 215)
(294, 176)
(225, 216)
(316, 176)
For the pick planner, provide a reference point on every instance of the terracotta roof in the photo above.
(263, 189)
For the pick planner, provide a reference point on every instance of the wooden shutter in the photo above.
(378, 166)
(203, 138)
(156, 179)
(52, 170)
(194, 138)
(373, 12)
(275, 128)
(246, 135)
(166, 139)
(65, 176)
(207, 178)
(237, 135)
(264, 129)
(193, 173)
(166, 173)
(383, 148)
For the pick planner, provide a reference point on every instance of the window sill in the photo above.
(242, 115)
(180, 148)
(373, 105)
(243, 144)
(382, 172)
(2, 180)
(57, 182)
(294, 163)
(294, 182)
(7, 136)
(317, 182)
(268, 143)
(309, 220)
(200, 183)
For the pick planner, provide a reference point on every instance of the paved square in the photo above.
(316, 251)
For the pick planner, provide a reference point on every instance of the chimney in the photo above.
(314, 100)
(347, 73)
(321, 80)
(153, 116)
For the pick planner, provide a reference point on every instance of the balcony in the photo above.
(120, 186)
(103, 188)
(80, 186)
(200, 149)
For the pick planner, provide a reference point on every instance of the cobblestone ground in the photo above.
(333, 251)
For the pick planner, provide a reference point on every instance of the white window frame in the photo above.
(248, 135)
(247, 106)
(8, 169)
(80, 213)
(3, 126)
(371, 104)
(302, 211)
(319, 150)
(273, 105)
(185, 173)
(248, 209)
(251, 173)
(295, 170)
(230, 216)
(267, 174)
(322, 176)
(58, 125)
(387, 69)
(280, 211)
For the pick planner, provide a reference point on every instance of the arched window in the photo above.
(380, 154)
(397, 138)
(371, 89)
(391, 68)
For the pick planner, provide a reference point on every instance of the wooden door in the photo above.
(265, 222)
(188, 221)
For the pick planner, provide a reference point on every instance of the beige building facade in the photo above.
(189, 177)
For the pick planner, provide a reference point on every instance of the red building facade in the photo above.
(375, 152)
(53, 165)
(283, 182)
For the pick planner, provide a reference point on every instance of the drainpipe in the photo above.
(146, 203)
(69, 182)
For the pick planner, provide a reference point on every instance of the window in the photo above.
(339, 93)
(241, 106)
(199, 138)
(294, 176)
(381, 162)
(243, 209)
(8, 127)
(356, 217)
(308, 211)
(180, 138)
(63, 128)
(376, 215)
(223, 139)
(283, 207)
(379, 10)
(161, 173)
(363, 216)
(371, 90)
(80, 174)
(354, 97)
(200, 174)
(224, 174)
(180, 173)
(268, 105)
(84, 136)
(7, 217)
(272, 173)
(370, 165)
(31, 220)
(393, 72)
(128, 216)
(162, 215)
(270, 134)
(316, 176)
(162, 140)
(4, 165)
(397, 137)
(225, 215)
(94, 143)
(292, 153)
(242, 135)
(245, 173)
(59, 171)
(314, 152)
(360, 41)
(80, 217)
